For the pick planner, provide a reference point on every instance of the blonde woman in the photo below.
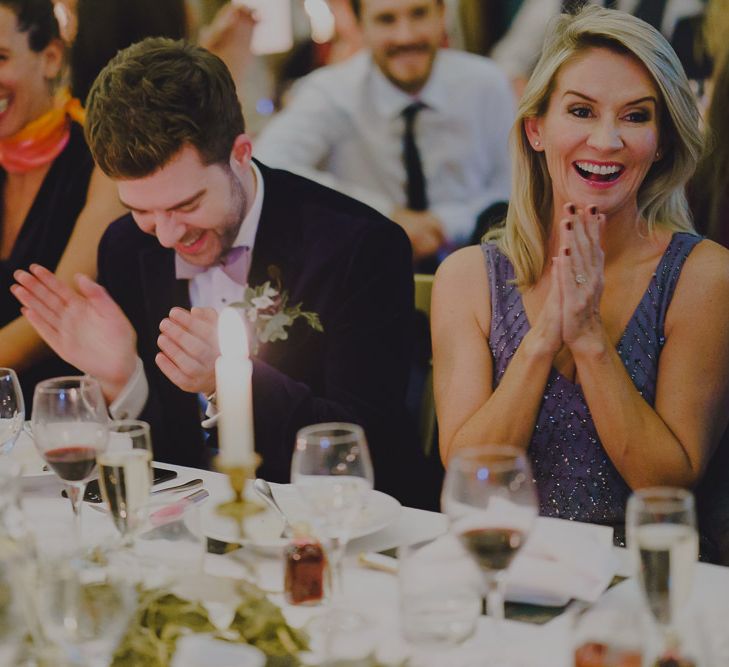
(591, 329)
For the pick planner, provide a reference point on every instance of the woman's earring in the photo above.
(536, 142)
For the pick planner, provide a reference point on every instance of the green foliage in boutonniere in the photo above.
(268, 313)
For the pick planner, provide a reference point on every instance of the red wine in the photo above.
(72, 464)
(493, 548)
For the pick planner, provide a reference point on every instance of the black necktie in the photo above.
(417, 199)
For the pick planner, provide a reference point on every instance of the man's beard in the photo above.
(236, 213)
(410, 86)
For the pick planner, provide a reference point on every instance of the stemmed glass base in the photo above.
(340, 634)
(75, 494)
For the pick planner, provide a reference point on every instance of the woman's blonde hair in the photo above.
(661, 198)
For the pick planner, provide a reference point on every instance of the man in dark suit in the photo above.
(164, 122)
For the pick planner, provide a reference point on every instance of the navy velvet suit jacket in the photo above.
(340, 259)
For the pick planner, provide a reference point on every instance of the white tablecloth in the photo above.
(375, 593)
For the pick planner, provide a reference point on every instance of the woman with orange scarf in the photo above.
(55, 205)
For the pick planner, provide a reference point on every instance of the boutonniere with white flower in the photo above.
(267, 311)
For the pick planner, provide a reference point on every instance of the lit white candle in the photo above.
(233, 385)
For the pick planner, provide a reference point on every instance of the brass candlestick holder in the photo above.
(240, 507)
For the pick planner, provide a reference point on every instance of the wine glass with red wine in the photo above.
(490, 499)
(70, 427)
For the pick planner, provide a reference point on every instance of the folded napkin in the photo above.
(562, 560)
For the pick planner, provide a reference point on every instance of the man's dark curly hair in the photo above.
(153, 99)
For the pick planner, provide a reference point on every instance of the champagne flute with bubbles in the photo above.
(125, 474)
(661, 531)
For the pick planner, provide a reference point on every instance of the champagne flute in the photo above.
(125, 474)
(12, 409)
(489, 497)
(332, 471)
(661, 531)
(70, 427)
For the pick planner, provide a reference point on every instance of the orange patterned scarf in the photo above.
(42, 140)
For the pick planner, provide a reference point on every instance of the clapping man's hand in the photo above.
(85, 327)
(188, 344)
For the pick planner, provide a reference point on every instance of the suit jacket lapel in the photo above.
(163, 290)
(277, 234)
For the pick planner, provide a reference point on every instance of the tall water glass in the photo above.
(70, 428)
(125, 474)
(490, 499)
(12, 409)
(661, 531)
(332, 471)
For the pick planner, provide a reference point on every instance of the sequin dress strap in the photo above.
(643, 339)
(669, 270)
(508, 319)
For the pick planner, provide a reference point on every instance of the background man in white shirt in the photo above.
(345, 125)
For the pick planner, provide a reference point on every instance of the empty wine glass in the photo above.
(70, 427)
(84, 606)
(12, 409)
(125, 474)
(661, 531)
(332, 471)
(489, 497)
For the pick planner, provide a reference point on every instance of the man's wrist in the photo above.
(112, 387)
(129, 401)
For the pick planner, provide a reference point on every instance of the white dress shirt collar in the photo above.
(213, 288)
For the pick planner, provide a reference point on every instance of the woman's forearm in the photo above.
(509, 414)
(638, 441)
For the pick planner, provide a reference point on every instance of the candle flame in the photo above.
(232, 336)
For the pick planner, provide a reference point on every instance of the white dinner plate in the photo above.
(263, 530)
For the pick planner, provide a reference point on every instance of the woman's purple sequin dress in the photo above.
(575, 477)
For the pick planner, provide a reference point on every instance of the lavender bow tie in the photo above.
(235, 265)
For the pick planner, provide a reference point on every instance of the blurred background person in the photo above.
(709, 189)
(591, 330)
(517, 51)
(55, 206)
(709, 199)
(416, 131)
(104, 27)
